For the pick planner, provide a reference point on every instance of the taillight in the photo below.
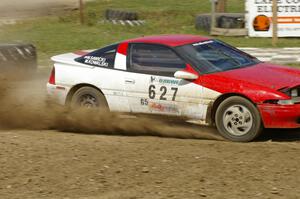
(52, 77)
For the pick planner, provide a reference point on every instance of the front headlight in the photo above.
(292, 93)
(286, 102)
(295, 100)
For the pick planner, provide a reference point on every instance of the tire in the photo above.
(223, 20)
(203, 22)
(238, 120)
(21, 57)
(88, 97)
(132, 16)
(230, 22)
(120, 15)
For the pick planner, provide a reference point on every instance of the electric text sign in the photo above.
(260, 18)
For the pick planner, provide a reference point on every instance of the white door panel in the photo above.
(164, 95)
(114, 90)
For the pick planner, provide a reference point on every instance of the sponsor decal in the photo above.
(203, 43)
(97, 61)
(161, 107)
(161, 80)
(169, 108)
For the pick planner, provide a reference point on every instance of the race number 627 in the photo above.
(163, 91)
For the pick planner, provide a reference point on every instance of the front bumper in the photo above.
(280, 116)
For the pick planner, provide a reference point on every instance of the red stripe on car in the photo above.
(122, 48)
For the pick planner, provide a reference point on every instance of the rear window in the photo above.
(104, 57)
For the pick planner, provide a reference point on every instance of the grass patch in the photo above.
(296, 65)
(58, 34)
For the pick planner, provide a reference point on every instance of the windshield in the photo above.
(215, 56)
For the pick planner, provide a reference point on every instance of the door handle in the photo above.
(129, 81)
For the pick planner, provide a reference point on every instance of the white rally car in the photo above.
(197, 78)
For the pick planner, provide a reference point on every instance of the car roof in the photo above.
(169, 40)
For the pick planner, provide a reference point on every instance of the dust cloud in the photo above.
(24, 105)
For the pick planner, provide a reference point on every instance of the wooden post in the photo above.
(275, 24)
(81, 8)
(221, 6)
(213, 15)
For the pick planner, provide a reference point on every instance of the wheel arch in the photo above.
(214, 105)
(78, 86)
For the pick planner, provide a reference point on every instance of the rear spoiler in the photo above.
(69, 58)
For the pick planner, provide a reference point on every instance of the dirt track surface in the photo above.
(50, 164)
(113, 158)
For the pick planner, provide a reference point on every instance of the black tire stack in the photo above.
(203, 22)
(120, 15)
(17, 57)
(223, 20)
(231, 22)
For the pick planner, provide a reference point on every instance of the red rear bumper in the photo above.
(280, 116)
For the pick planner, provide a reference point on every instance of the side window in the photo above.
(154, 59)
(104, 57)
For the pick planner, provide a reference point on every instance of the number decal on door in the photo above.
(151, 91)
(144, 102)
(175, 93)
(164, 91)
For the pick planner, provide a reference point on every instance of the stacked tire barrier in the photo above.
(123, 17)
(231, 22)
(120, 15)
(203, 22)
(18, 57)
(223, 20)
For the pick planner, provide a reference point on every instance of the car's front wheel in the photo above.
(88, 97)
(237, 119)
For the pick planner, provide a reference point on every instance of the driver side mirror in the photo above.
(185, 75)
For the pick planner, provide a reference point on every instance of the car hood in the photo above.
(265, 75)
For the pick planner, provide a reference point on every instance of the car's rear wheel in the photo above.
(88, 97)
(237, 119)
